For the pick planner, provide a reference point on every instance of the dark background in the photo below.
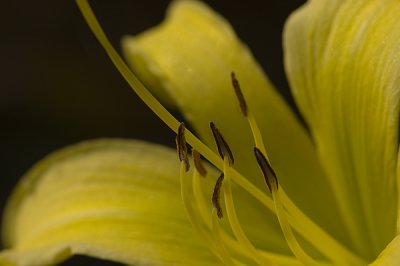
(57, 86)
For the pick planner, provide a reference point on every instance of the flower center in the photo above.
(219, 241)
(248, 250)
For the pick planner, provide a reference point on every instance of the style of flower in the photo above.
(275, 193)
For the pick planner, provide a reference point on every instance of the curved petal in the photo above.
(390, 255)
(343, 62)
(189, 57)
(112, 199)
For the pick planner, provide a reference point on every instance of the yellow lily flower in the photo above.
(331, 196)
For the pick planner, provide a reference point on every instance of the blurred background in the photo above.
(58, 87)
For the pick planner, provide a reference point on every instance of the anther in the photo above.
(268, 172)
(216, 196)
(222, 145)
(198, 164)
(239, 94)
(181, 146)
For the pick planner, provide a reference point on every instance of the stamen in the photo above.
(181, 146)
(216, 196)
(249, 116)
(239, 94)
(198, 164)
(247, 247)
(240, 235)
(306, 227)
(325, 243)
(268, 172)
(187, 199)
(227, 239)
(272, 183)
(222, 145)
(220, 237)
(206, 216)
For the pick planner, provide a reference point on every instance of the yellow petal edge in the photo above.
(390, 256)
(342, 60)
(117, 200)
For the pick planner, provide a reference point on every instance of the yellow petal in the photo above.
(390, 255)
(189, 58)
(343, 62)
(113, 199)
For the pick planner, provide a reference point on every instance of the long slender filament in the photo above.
(200, 198)
(225, 256)
(234, 221)
(288, 233)
(205, 214)
(187, 201)
(340, 255)
(312, 232)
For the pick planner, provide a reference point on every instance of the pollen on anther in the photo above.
(268, 172)
(198, 164)
(216, 196)
(239, 94)
(181, 146)
(222, 145)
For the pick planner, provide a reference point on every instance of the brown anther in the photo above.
(198, 164)
(222, 145)
(216, 196)
(268, 172)
(181, 146)
(239, 94)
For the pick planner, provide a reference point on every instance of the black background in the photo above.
(57, 86)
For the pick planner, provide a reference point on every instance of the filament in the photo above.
(294, 245)
(234, 221)
(228, 239)
(215, 247)
(272, 183)
(321, 240)
(224, 255)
